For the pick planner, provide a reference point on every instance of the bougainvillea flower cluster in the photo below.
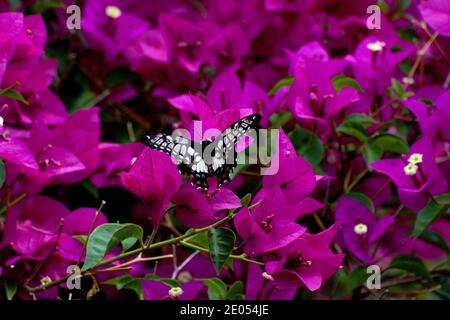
(355, 183)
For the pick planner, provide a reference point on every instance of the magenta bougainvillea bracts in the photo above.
(206, 150)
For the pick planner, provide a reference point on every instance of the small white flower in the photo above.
(175, 292)
(46, 280)
(113, 12)
(415, 158)
(410, 169)
(267, 276)
(407, 80)
(376, 46)
(360, 229)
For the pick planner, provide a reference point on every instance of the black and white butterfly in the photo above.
(210, 158)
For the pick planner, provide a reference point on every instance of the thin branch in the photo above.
(183, 264)
(358, 178)
(12, 203)
(136, 251)
(91, 228)
(42, 263)
(241, 257)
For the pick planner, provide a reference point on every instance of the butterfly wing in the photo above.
(224, 159)
(186, 154)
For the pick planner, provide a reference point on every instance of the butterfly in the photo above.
(206, 159)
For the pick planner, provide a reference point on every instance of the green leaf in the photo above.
(363, 199)
(42, 6)
(408, 34)
(170, 282)
(217, 289)
(199, 239)
(84, 100)
(2, 173)
(353, 129)
(405, 66)
(371, 154)
(136, 286)
(402, 5)
(341, 81)
(10, 288)
(426, 216)
(280, 84)
(410, 264)
(376, 146)
(280, 119)
(356, 278)
(390, 142)
(436, 239)
(402, 129)
(236, 291)
(443, 199)
(128, 243)
(398, 88)
(90, 188)
(445, 287)
(82, 238)
(307, 145)
(119, 76)
(359, 118)
(106, 236)
(245, 201)
(127, 282)
(221, 242)
(13, 94)
(383, 6)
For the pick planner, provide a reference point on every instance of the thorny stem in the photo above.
(91, 228)
(421, 55)
(151, 238)
(136, 251)
(135, 260)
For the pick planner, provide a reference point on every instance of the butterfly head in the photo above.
(147, 139)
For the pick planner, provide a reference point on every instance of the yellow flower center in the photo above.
(113, 12)
(410, 169)
(415, 158)
(267, 276)
(360, 229)
(376, 46)
(46, 280)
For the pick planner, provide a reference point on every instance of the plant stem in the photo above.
(358, 178)
(232, 256)
(91, 228)
(12, 203)
(136, 251)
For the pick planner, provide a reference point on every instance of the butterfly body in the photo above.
(206, 159)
